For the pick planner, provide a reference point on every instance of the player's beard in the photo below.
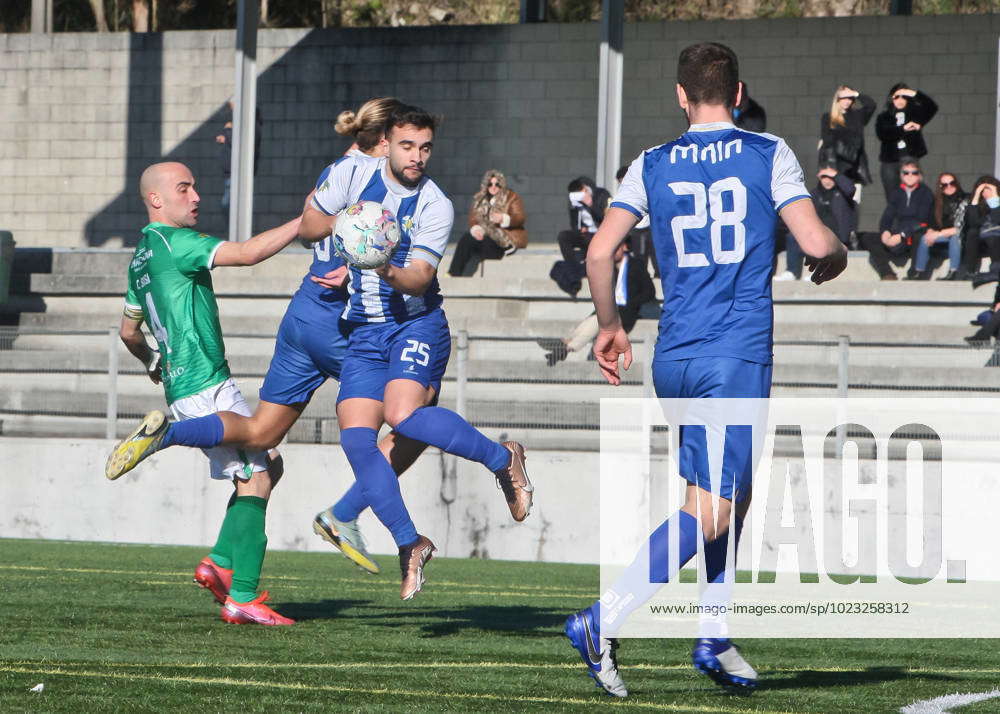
(401, 177)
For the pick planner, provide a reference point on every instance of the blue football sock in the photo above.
(200, 432)
(716, 550)
(378, 482)
(717, 592)
(350, 505)
(645, 576)
(452, 434)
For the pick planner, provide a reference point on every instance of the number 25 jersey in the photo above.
(712, 197)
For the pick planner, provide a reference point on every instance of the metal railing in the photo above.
(83, 382)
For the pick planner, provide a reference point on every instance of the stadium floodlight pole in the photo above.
(609, 99)
(244, 123)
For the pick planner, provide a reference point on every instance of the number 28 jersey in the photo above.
(712, 197)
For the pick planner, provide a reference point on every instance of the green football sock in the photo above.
(222, 552)
(248, 543)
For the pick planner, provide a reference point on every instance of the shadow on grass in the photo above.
(520, 620)
(320, 610)
(808, 679)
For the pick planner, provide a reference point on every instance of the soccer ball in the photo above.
(367, 235)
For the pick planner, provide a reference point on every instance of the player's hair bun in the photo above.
(347, 123)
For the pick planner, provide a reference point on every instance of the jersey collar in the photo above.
(712, 126)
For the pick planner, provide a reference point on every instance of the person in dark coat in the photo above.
(833, 197)
(587, 204)
(900, 129)
(907, 215)
(950, 203)
(981, 231)
(842, 134)
(748, 114)
(633, 289)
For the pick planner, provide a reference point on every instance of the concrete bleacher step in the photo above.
(861, 333)
(524, 274)
(533, 262)
(480, 315)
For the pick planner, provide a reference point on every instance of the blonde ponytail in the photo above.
(347, 123)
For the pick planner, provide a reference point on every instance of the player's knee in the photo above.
(262, 437)
(259, 485)
(712, 532)
(396, 414)
(709, 532)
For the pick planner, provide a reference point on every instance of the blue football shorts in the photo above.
(718, 377)
(380, 352)
(306, 354)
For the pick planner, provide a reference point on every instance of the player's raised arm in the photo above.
(826, 256)
(327, 199)
(611, 341)
(316, 225)
(259, 248)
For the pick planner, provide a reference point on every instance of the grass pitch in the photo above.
(112, 627)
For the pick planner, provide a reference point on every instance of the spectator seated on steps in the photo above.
(906, 217)
(633, 289)
(496, 226)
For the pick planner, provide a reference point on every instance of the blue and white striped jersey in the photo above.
(425, 216)
(712, 197)
(312, 302)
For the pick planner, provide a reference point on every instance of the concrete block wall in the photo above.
(82, 114)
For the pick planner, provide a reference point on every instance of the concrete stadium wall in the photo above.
(82, 114)
(55, 489)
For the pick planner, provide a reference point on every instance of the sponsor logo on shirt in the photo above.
(172, 373)
(140, 258)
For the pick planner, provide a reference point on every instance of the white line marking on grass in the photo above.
(361, 587)
(381, 691)
(533, 590)
(942, 705)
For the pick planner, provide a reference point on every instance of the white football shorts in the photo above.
(225, 462)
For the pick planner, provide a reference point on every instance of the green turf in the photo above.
(112, 627)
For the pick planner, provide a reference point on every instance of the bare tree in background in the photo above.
(330, 12)
(98, 7)
(140, 16)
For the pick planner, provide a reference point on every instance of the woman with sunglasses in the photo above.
(842, 132)
(496, 226)
(946, 227)
(900, 129)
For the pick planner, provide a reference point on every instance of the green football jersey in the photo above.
(170, 283)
